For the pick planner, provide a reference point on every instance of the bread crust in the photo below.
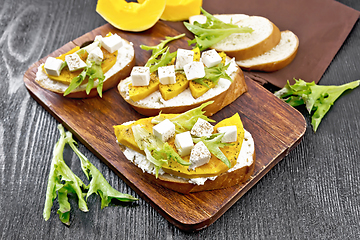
(236, 89)
(224, 180)
(107, 84)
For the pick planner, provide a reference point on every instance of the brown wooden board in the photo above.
(276, 128)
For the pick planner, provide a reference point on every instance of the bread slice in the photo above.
(277, 58)
(121, 69)
(224, 93)
(265, 36)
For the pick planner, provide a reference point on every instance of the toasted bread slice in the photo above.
(121, 69)
(275, 59)
(238, 174)
(224, 93)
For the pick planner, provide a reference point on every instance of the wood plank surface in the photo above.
(311, 194)
(275, 126)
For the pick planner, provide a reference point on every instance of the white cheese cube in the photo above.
(140, 76)
(74, 62)
(194, 70)
(52, 66)
(199, 155)
(183, 57)
(202, 128)
(92, 46)
(167, 75)
(230, 133)
(96, 55)
(184, 143)
(210, 58)
(164, 130)
(112, 43)
(98, 38)
(233, 67)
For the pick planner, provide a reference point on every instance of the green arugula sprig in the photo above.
(157, 152)
(62, 181)
(93, 71)
(212, 31)
(318, 99)
(185, 121)
(214, 74)
(160, 55)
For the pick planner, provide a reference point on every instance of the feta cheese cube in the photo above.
(210, 58)
(92, 46)
(184, 143)
(52, 66)
(74, 62)
(167, 75)
(183, 57)
(96, 55)
(194, 70)
(233, 67)
(164, 130)
(112, 43)
(199, 155)
(98, 38)
(230, 133)
(202, 128)
(140, 76)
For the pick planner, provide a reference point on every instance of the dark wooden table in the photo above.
(313, 193)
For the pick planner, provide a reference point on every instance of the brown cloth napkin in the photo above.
(321, 26)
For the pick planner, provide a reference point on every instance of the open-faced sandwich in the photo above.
(90, 70)
(186, 153)
(179, 81)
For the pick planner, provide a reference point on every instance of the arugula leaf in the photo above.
(214, 144)
(166, 57)
(93, 71)
(171, 154)
(64, 206)
(63, 181)
(161, 45)
(214, 74)
(157, 152)
(98, 183)
(75, 82)
(61, 178)
(153, 62)
(212, 31)
(185, 121)
(318, 99)
(145, 139)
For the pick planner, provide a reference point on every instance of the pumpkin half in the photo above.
(131, 16)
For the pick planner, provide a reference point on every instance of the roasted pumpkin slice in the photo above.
(198, 89)
(137, 93)
(172, 90)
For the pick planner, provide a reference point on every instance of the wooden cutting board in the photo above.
(276, 128)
